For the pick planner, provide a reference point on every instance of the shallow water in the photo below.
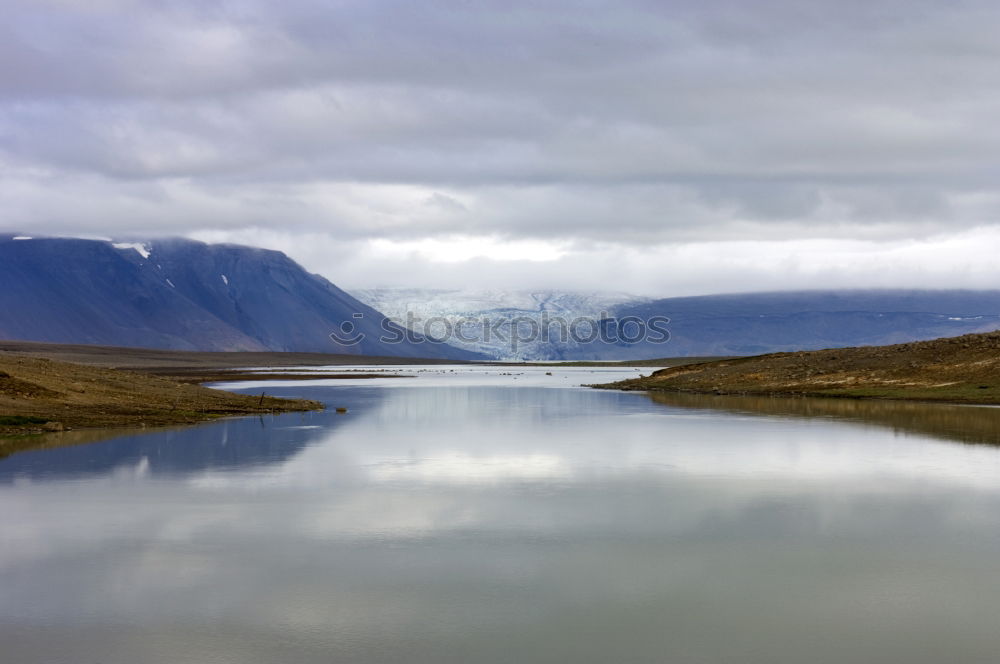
(502, 515)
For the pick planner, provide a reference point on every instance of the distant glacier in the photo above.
(733, 324)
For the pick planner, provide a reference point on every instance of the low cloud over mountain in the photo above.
(183, 295)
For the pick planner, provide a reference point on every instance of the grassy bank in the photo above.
(38, 394)
(962, 369)
(165, 361)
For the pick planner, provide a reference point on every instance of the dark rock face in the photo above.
(185, 295)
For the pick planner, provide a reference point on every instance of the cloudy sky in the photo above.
(655, 147)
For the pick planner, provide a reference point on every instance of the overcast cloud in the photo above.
(663, 148)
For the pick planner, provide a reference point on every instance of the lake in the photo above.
(481, 515)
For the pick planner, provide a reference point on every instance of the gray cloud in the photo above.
(633, 123)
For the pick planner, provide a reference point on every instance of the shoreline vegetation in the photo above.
(50, 387)
(166, 361)
(961, 370)
(39, 395)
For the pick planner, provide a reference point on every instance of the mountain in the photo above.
(755, 323)
(744, 324)
(180, 294)
(503, 324)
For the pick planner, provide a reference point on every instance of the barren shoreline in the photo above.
(962, 369)
(164, 361)
(39, 395)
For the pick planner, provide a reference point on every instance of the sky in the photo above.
(659, 148)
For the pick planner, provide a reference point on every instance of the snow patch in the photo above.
(140, 248)
(225, 279)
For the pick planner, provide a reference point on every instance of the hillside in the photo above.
(963, 369)
(756, 323)
(183, 295)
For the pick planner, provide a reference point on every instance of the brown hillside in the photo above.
(958, 369)
(41, 394)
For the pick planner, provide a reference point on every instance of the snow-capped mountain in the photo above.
(180, 294)
(505, 324)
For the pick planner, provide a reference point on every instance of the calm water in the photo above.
(468, 516)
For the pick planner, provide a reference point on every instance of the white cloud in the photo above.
(965, 259)
(464, 249)
(626, 142)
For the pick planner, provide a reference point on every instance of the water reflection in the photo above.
(225, 445)
(46, 441)
(489, 524)
(221, 445)
(964, 424)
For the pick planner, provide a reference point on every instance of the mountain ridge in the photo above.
(704, 325)
(185, 295)
(756, 323)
